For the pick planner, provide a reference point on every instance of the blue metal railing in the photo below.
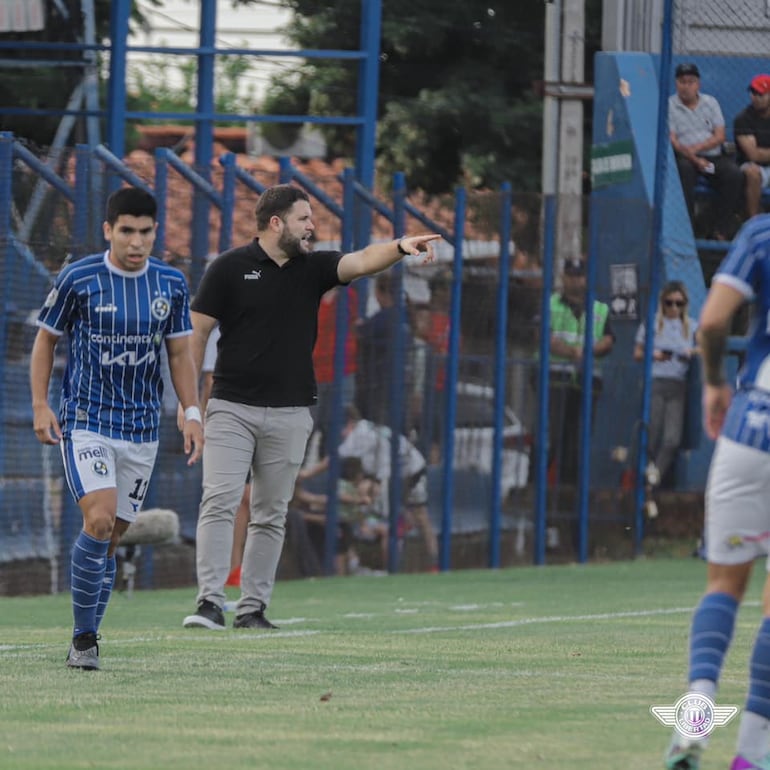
(224, 200)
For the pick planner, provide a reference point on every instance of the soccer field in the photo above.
(551, 667)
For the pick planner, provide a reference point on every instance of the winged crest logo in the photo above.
(694, 715)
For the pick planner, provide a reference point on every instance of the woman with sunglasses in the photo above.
(673, 347)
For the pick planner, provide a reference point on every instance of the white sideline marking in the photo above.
(546, 619)
(425, 630)
(241, 634)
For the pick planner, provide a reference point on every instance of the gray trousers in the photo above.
(270, 442)
(666, 421)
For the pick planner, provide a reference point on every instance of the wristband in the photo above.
(401, 250)
(193, 413)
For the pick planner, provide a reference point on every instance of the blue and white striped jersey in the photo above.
(116, 322)
(747, 269)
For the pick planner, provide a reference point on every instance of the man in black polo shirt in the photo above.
(752, 136)
(265, 298)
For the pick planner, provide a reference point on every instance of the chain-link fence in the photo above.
(631, 224)
(75, 204)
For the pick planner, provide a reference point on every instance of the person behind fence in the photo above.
(697, 132)
(737, 498)
(265, 297)
(323, 360)
(566, 362)
(117, 308)
(751, 129)
(376, 353)
(673, 348)
(371, 443)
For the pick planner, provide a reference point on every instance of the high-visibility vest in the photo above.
(565, 326)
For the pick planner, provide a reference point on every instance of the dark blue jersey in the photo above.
(116, 322)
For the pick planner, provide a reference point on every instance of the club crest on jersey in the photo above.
(160, 308)
(50, 300)
(99, 468)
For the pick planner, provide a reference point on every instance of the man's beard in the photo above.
(291, 246)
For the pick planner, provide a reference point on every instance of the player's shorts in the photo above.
(93, 462)
(738, 504)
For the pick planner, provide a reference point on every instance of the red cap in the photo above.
(760, 84)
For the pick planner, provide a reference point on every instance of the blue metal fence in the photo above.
(169, 478)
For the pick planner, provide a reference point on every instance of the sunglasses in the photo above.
(674, 302)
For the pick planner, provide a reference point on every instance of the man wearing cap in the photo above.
(567, 335)
(752, 137)
(697, 132)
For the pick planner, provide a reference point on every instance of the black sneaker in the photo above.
(208, 615)
(84, 652)
(254, 619)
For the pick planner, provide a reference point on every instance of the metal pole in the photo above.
(656, 263)
(397, 360)
(587, 395)
(551, 73)
(500, 371)
(549, 232)
(204, 138)
(450, 386)
(334, 428)
(368, 90)
(116, 96)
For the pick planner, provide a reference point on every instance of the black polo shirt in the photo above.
(747, 122)
(268, 316)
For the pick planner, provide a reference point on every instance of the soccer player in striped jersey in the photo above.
(117, 308)
(737, 495)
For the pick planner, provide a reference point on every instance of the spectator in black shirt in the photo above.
(752, 137)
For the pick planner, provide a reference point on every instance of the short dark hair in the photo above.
(276, 201)
(574, 266)
(131, 201)
(351, 468)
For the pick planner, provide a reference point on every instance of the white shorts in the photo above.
(738, 504)
(764, 173)
(92, 462)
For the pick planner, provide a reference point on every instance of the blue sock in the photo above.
(107, 583)
(758, 701)
(89, 557)
(712, 630)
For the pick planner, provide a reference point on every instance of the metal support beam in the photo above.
(116, 109)
(204, 137)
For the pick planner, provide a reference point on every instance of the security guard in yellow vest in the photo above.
(567, 335)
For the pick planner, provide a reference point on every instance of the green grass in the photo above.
(550, 667)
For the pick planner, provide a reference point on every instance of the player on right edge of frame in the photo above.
(737, 495)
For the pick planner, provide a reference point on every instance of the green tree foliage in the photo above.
(154, 90)
(50, 83)
(458, 99)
